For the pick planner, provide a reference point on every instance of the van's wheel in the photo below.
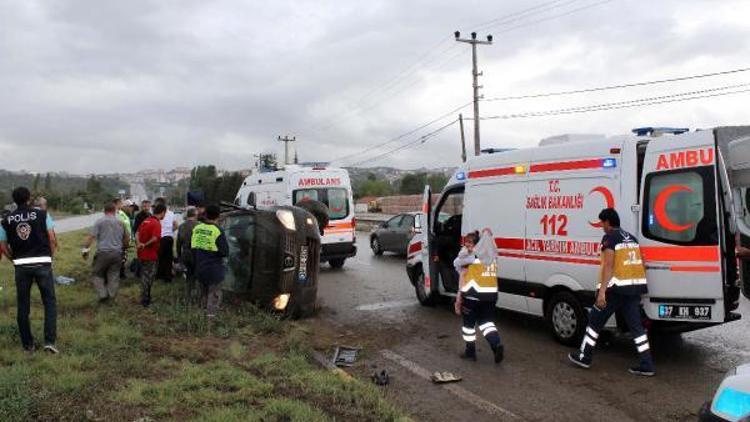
(422, 295)
(567, 318)
(375, 246)
(337, 263)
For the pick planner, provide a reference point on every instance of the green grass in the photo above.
(120, 362)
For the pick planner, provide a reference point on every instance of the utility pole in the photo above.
(475, 76)
(286, 140)
(463, 138)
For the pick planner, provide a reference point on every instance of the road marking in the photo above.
(386, 305)
(457, 390)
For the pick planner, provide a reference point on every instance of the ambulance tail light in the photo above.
(354, 224)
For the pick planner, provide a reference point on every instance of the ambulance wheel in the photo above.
(337, 263)
(375, 246)
(567, 318)
(422, 296)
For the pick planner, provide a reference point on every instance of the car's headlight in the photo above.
(286, 218)
(281, 301)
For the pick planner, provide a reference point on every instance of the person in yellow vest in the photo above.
(209, 246)
(476, 300)
(622, 282)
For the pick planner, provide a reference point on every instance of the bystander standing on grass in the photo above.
(185, 253)
(147, 244)
(111, 239)
(209, 245)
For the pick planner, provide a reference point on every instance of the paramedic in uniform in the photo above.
(477, 299)
(623, 281)
(27, 239)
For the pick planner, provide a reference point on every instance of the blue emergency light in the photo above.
(609, 163)
(460, 176)
(650, 130)
(733, 403)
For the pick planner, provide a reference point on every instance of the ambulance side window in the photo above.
(681, 207)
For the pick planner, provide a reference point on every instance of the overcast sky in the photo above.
(104, 86)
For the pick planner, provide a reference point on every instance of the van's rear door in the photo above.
(680, 230)
(428, 291)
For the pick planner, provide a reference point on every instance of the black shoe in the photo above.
(499, 353)
(577, 360)
(146, 303)
(642, 370)
(469, 356)
(103, 300)
(29, 349)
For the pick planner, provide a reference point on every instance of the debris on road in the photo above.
(445, 377)
(345, 356)
(64, 280)
(381, 378)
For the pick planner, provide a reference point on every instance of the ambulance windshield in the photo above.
(336, 199)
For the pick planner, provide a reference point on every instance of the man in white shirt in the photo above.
(166, 245)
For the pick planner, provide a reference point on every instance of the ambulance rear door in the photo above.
(426, 284)
(679, 231)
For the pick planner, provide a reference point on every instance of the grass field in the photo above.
(120, 362)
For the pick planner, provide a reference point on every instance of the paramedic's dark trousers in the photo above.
(630, 308)
(478, 315)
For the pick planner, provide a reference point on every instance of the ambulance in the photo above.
(682, 193)
(295, 183)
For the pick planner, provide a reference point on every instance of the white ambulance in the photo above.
(683, 194)
(295, 183)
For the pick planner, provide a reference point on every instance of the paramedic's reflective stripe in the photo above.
(589, 339)
(204, 237)
(34, 260)
(469, 334)
(473, 285)
(623, 283)
(641, 343)
(488, 328)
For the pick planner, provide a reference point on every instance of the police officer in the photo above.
(623, 281)
(477, 299)
(209, 246)
(27, 238)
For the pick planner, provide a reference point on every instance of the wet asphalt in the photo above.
(371, 303)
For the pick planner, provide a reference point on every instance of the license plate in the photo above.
(696, 312)
(303, 252)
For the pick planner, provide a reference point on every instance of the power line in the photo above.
(560, 15)
(405, 134)
(620, 86)
(408, 72)
(421, 140)
(685, 96)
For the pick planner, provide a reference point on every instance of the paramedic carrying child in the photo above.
(476, 265)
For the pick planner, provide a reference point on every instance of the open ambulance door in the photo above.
(737, 163)
(680, 232)
(427, 283)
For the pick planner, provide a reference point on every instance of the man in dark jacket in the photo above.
(209, 246)
(184, 251)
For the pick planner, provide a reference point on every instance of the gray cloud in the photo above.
(120, 86)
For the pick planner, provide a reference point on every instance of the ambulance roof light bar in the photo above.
(658, 131)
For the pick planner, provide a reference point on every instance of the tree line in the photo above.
(409, 184)
(70, 194)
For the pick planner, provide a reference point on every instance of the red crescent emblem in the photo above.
(609, 199)
(660, 209)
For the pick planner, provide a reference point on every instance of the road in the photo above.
(370, 303)
(70, 224)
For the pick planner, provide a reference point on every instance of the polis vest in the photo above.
(480, 281)
(629, 273)
(204, 237)
(26, 229)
